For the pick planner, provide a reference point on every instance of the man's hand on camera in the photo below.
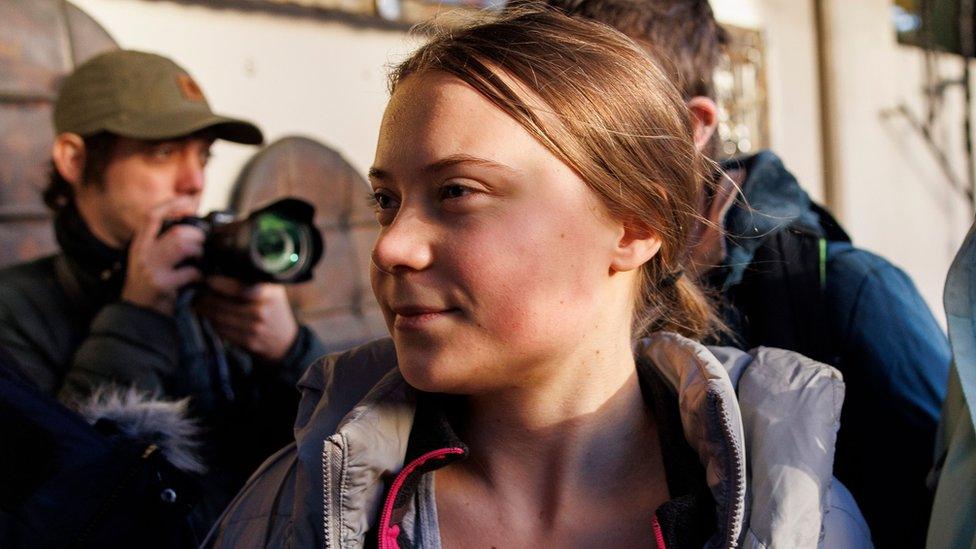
(257, 318)
(153, 276)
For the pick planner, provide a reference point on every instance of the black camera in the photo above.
(278, 243)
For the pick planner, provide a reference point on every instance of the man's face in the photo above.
(708, 244)
(140, 176)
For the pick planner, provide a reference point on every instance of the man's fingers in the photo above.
(226, 318)
(180, 206)
(226, 310)
(231, 327)
(183, 276)
(232, 288)
(264, 325)
(180, 243)
(147, 232)
(233, 335)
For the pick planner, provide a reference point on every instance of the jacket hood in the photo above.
(771, 198)
(357, 413)
(148, 418)
(960, 307)
(955, 469)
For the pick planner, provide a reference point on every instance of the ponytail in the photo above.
(677, 303)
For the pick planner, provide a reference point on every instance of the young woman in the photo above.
(536, 183)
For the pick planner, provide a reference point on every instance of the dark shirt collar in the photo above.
(98, 268)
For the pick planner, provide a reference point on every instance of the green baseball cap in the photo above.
(142, 96)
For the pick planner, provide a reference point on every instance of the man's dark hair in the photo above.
(98, 153)
(681, 35)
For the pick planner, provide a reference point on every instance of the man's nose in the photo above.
(190, 178)
(406, 244)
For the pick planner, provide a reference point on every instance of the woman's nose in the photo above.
(406, 244)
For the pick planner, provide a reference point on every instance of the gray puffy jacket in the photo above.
(762, 423)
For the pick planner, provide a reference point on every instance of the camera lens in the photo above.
(280, 246)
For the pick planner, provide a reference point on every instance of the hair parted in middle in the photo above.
(595, 100)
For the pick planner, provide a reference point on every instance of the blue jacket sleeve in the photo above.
(895, 362)
(888, 329)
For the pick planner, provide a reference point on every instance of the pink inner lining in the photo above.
(658, 534)
(388, 533)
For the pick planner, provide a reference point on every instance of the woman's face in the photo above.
(493, 261)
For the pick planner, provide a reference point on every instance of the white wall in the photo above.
(893, 197)
(793, 87)
(289, 75)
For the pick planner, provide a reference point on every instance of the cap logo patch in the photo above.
(189, 88)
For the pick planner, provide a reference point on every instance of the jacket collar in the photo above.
(711, 420)
(359, 447)
(960, 306)
(97, 270)
(357, 415)
(771, 199)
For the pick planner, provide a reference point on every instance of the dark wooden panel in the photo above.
(338, 303)
(25, 153)
(34, 50)
(41, 41)
(88, 38)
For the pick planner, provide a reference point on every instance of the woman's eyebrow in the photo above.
(379, 174)
(457, 159)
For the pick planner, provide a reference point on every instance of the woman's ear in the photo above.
(68, 154)
(637, 245)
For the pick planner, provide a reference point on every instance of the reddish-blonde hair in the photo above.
(612, 115)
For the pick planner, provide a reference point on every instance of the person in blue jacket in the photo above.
(791, 278)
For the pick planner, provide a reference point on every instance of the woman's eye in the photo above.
(383, 201)
(454, 191)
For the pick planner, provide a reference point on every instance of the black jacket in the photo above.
(62, 321)
(66, 481)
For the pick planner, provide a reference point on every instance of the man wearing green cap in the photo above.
(133, 136)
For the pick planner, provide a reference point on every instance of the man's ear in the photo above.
(704, 118)
(68, 154)
(637, 245)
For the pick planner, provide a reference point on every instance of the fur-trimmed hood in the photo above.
(147, 418)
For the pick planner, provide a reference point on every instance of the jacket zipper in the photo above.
(389, 533)
(333, 465)
(738, 495)
(658, 534)
(110, 500)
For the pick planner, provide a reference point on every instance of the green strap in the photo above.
(823, 263)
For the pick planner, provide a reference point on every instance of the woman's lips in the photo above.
(418, 318)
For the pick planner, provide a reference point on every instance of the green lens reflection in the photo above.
(279, 244)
